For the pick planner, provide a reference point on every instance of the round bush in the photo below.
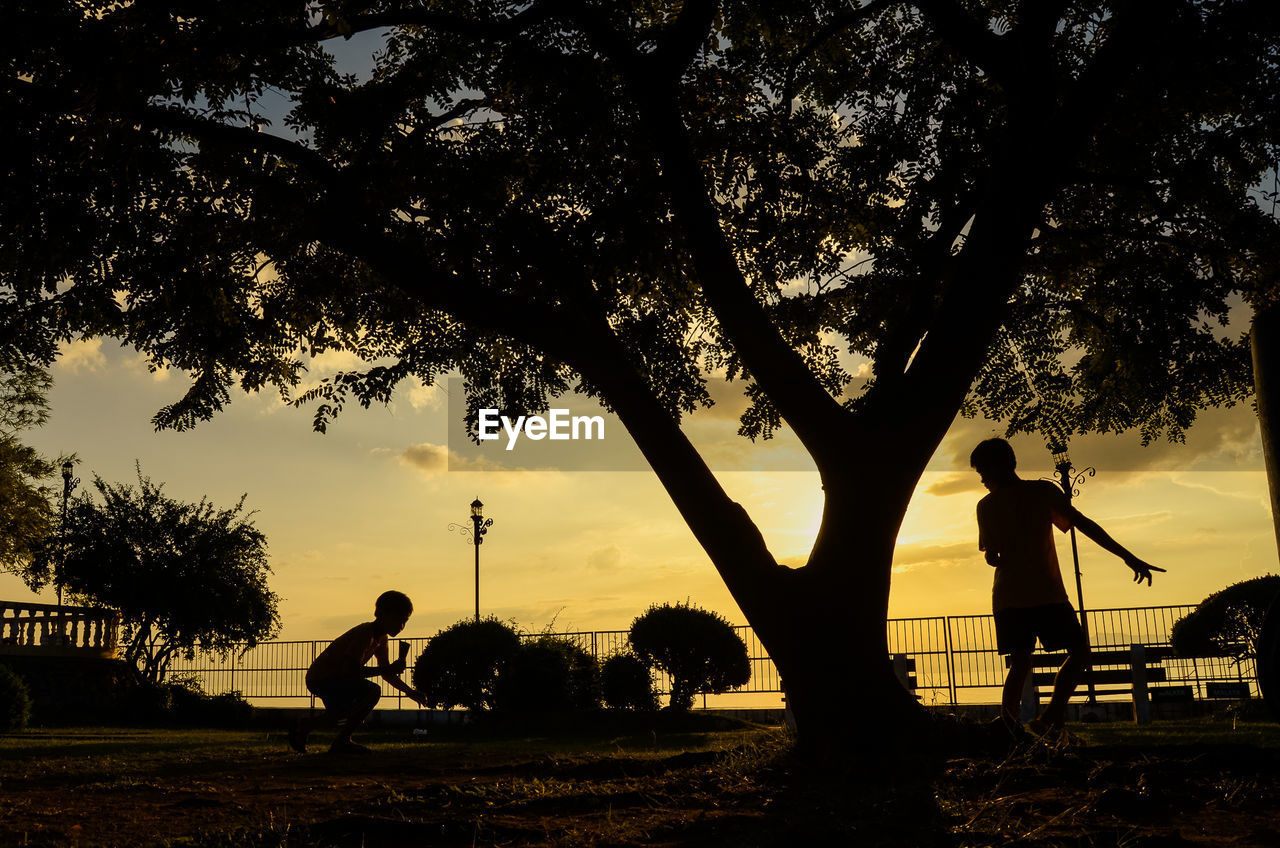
(627, 684)
(15, 701)
(1227, 623)
(549, 675)
(697, 648)
(460, 665)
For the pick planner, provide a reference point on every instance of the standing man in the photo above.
(1015, 524)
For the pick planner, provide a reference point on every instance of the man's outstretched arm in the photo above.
(1089, 527)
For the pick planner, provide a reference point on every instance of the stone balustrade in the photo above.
(48, 629)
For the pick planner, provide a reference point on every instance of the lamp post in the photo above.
(69, 482)
(476, 532)
(1070, 481)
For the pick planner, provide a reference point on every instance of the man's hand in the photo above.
(420, 699)
(396, 668)
(1141, 570)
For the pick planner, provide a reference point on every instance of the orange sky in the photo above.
(367, 507)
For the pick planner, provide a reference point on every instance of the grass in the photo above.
(1194, 782)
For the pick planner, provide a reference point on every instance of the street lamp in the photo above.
(476, 532)
(69, 482)
(1070, 482)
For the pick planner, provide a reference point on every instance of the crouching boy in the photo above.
(339, 677)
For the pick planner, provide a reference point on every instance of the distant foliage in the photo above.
(549, 674)
(15, 701)
(182, 575)
(697, 648)
(461, 663)
(627, 684)
(1227, 623)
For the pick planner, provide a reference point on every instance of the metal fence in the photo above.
(955, 657)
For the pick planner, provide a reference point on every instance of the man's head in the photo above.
(994, 461)
(392, 609)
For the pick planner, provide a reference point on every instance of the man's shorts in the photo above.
(1056, 625)
(347, 696)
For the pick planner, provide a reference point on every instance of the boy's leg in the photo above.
(1011, 697)
(366, 696)
(1062, 630)
(1064, 685)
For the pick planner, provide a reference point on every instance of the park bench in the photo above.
(1111, 672)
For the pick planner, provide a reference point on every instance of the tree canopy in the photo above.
(182, 575)
(1037, 210)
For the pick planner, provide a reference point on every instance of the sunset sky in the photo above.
(367, 506)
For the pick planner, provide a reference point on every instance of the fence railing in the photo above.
(955, 657)
(49, 629)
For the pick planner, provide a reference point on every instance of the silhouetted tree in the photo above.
(1227, 623)
(461, 664)
(26, 516)
(183, 576)
(622, 198)
(697, 648)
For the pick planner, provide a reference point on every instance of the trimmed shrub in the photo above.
(697, 648)
(15, 701)
(460, 665)
(549, 675)
(627, 684)
(1227, 623)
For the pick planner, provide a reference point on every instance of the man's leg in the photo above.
(1054, 715)
(1011, 699)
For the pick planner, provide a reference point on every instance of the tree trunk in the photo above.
(1266, 391)
(1265, 342)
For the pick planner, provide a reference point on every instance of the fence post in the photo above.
(1141, 700)
(951, 663)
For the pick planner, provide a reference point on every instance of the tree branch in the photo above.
(537, 12)
(680, 42)
(970, 38)
(839, 22)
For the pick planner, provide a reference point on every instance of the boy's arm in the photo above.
(992, 556)
(391, 671)
(1089, 527)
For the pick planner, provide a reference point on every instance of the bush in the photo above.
(15, 701)
(1227, 623)
(627, 684)
(698, 649)
(549, 675)
(460, 665)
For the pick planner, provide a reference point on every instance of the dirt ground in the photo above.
(1199, 783)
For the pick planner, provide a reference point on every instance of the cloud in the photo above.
(1222, 439)
(955, 484)
(910, 557)
(422, 396)
(605, 559)
(434, 459)
(82, 356)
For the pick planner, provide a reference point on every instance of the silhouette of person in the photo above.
(338, 675)
(1028, 598)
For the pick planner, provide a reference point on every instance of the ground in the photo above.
(1206, 782)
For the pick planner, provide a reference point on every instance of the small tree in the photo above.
(461, 663)
(1227, 623)
(182, 576)
(697, 648)
(549, 674)
(627, 684)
